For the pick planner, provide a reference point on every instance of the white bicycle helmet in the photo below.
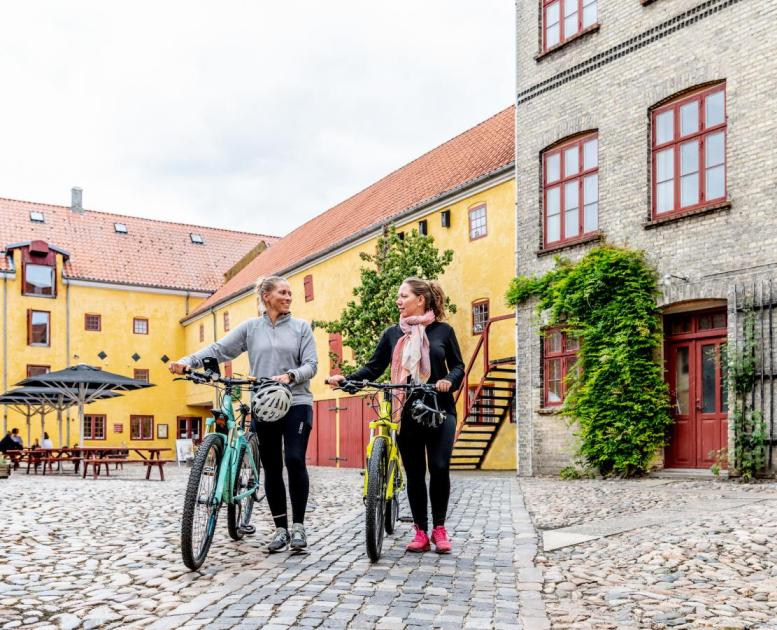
(271, 401)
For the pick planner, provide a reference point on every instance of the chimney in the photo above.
(76, 200)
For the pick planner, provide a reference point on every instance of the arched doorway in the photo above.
(694, 348)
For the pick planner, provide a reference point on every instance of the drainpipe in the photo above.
(67, 357)
(5, 349)
(527, 468)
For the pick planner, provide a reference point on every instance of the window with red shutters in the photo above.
(560, 357)
(564, 19)
(141, 427)
(38, 328)
(308, 284)
(37, 370)
(92, 322)
(94, 427)
(689, 152)
(570, 176)
(335, 353)
(141, 375)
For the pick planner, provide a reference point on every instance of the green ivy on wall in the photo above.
(618, 396)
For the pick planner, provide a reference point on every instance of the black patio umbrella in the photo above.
(29, 401)
(83, 384)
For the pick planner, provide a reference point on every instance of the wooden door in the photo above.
(311, 455)
(699, 403)
(325, 416)
(352, 433)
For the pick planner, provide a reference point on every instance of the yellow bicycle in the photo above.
(383, 479)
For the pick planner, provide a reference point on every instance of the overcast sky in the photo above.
(252, 115)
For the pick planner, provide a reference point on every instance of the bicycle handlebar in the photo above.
(210, 377)
(351, 387)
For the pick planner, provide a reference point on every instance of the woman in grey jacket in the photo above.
(282, 348)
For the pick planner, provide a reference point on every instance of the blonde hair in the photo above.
(265, 285)
(431, 291)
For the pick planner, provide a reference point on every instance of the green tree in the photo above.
(364, 319)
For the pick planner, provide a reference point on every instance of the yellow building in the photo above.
(462, 193)
(108, 290)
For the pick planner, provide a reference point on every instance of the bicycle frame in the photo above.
(384, 429)
(234, 441)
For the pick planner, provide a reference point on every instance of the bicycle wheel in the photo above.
(376, 499)
(199, 514)
(239, 512)
(392, 507)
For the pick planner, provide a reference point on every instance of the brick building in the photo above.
(649, 124)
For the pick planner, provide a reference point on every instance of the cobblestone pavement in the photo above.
(664, 554)
(105, 553)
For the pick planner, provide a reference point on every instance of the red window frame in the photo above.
(137, 425)
(702, 134)
(202, 333)
(135, 322)
(94, 426)
(30, 341)
(189, 427)
(37, 370)
(480, 315)
(141, 374)
(335, 353)
(564, 356)
(226, 321)
(92, 322)
(563, 36)
(565, 180)
(473, 222)
(307, 283)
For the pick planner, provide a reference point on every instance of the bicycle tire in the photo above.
(392, 508)
(375, 503)
(206, 465)
(239, 513)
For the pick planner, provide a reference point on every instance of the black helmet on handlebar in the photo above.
(430, 416)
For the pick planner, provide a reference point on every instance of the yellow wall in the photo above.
(117, 308)
(481, 269)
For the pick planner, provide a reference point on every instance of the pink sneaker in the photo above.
(440, 540)
(420, 542)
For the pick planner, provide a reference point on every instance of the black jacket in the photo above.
(444, 356)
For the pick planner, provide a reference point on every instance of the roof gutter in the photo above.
(362, 234)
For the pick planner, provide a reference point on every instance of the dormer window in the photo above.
(120, 228)
(196, 239)
(37, 217)
(39, 265)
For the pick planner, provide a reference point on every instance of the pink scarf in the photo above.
(411, 354)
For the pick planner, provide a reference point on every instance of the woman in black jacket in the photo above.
(422, 349)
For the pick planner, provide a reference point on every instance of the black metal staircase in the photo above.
(487, 408)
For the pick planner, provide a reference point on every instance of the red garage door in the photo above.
(325, 428)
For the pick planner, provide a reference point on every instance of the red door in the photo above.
(324, 419)
(352, 432)
(697, 388)
(311, 455)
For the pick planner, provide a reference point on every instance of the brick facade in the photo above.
(607, 80)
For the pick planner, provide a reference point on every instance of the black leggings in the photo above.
(417, 444)
(292, 431)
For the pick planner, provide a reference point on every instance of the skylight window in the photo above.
(120, 228)
(37, 217)
(197, 238)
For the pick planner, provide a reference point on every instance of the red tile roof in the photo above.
(485, 149)
(152, 253)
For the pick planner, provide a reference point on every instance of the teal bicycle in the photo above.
(225, 470)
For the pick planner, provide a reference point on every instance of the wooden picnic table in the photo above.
(98, 456)
(44, 457)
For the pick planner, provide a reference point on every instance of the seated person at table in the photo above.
(8, 443)
(47, 443)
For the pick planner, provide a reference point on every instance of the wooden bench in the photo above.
(96, 463)
(159, 463)
(62, 458)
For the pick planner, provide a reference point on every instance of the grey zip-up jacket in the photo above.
(287, 346)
